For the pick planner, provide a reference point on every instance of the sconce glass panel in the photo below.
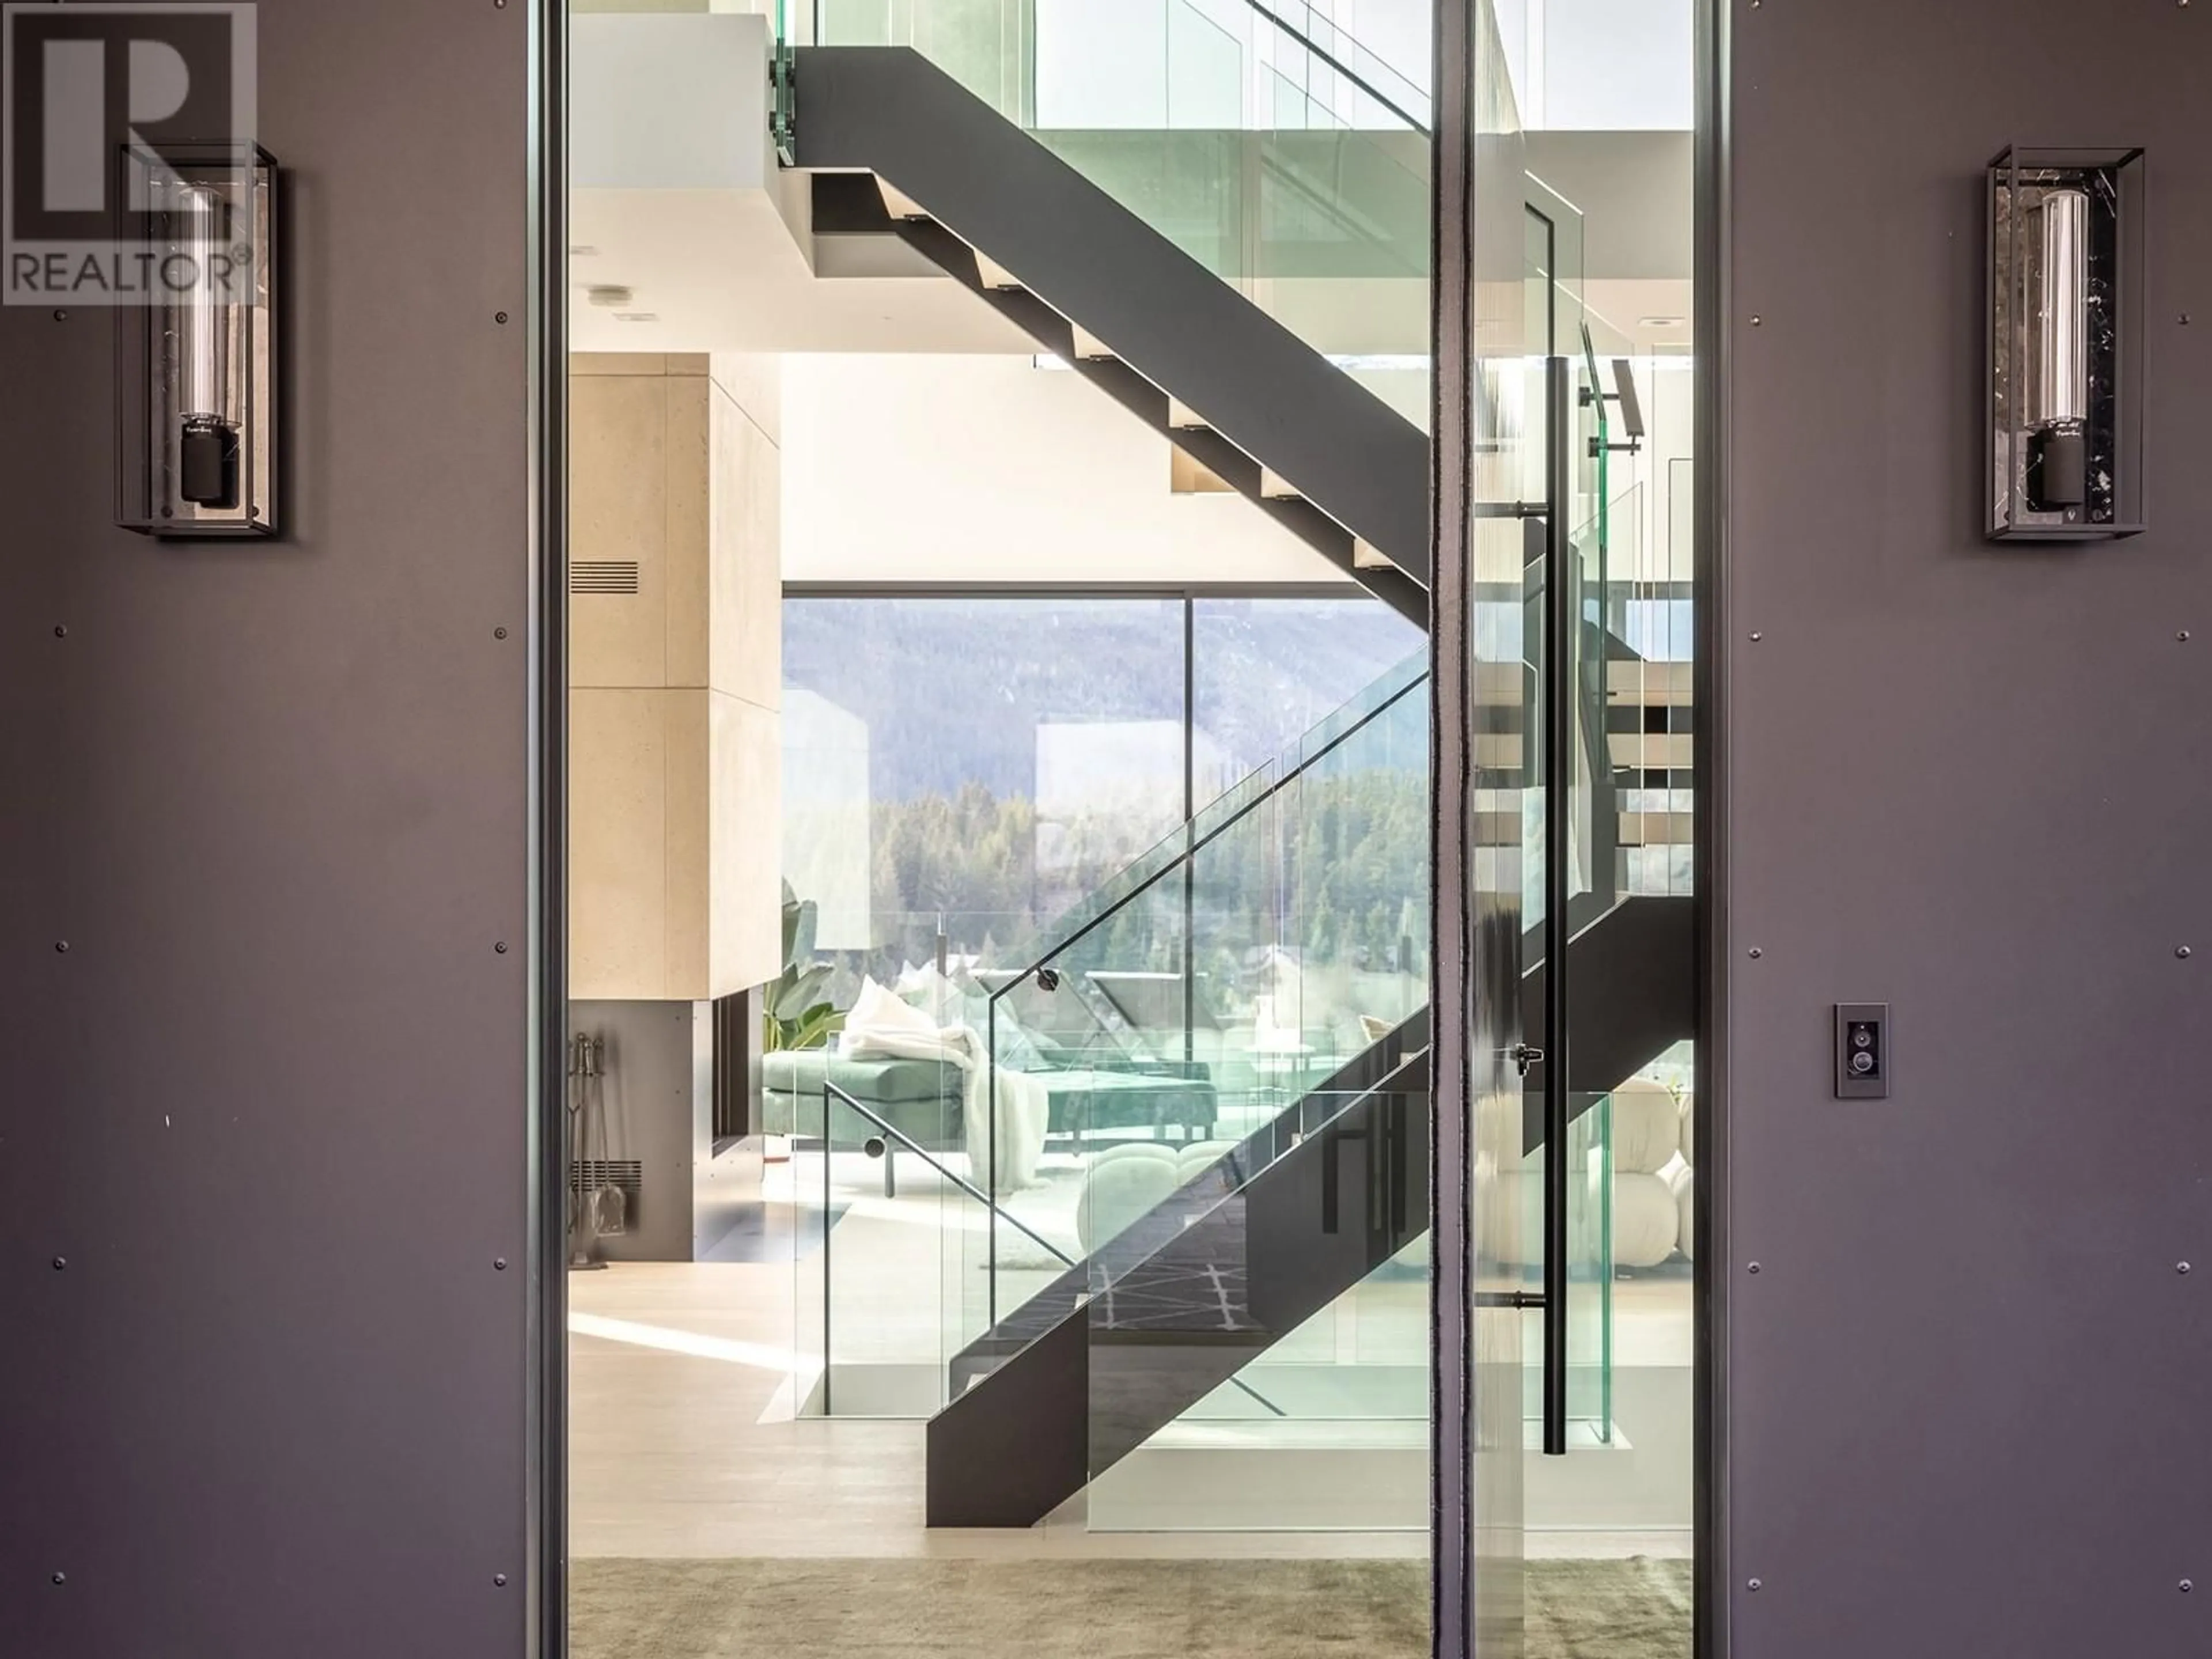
(2064, 461)
(196, 361)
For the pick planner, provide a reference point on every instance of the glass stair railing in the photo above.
(1260, 138)
(1215, 981)
(1227, 975)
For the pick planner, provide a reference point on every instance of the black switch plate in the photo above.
(1862, 1050)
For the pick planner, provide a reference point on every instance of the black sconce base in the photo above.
(2059, 471)
(207, 466)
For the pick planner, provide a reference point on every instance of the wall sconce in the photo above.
(196, 362)
(2065, 344)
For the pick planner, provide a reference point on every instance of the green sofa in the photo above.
(921, 1100)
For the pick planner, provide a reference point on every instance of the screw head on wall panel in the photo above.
(61, 630)
(61, 316)
(499, 1264)
(61, 947)
(1754, 953)
(2183, 636)
(60, 1263)
(499, 318)
(61, 1579)
(1751, 1583)
(2187, 1585)
(500, 1578)
(501, 947)
(499, 633)
(2181, 1266)
(1756, 636)
(1751, 1267)
(2181, 951)
(1757, 321)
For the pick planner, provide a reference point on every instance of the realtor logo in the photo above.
(84, 87)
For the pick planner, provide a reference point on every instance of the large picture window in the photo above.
(961, 769)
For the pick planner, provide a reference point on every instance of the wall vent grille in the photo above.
(602, 575)
(589, 1174)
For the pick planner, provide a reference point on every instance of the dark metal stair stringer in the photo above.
(891, 111)
(1072, 1387)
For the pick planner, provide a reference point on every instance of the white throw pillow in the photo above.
(879, 1012)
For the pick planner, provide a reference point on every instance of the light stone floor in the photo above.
(683, 1444)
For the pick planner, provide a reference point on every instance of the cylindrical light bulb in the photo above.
(203, 313)
(2063, 378)
(207, 439)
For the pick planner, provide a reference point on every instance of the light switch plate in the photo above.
(1863, 1056)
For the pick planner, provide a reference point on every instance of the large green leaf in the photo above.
(794, 995)
(816, 1026)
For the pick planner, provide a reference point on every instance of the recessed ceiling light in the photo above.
(608, 296)
(582, 251)
(637, 316)
(1659, 322)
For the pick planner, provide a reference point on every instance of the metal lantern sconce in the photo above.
(196, 361)
(2064, 461)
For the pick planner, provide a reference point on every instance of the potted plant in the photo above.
(795, 1012)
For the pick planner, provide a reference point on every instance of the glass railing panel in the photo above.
(863, 1113)
(1219, 1310)
(1327, 1430)
(1211, 986)
(1405, 681)
(1590, 1277)
(1357, 825)
(1130, 1049)
(1149, 866)
(1363, 87)
(988, 46)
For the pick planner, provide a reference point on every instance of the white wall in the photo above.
(990, 469)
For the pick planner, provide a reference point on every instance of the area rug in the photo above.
(1040, 1609)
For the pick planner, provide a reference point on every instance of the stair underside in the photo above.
(899, 149)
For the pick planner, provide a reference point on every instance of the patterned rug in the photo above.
(1039, 1609)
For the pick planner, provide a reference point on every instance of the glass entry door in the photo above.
(1515, 834)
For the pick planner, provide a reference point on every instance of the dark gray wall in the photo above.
(1965, 1405)
(270, 1106)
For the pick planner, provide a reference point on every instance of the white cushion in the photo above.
(1512, 1209)
(1199, 1156)
(1686, 1212)
(1645, 1222)
(1120, 1185)
(1647, 1127)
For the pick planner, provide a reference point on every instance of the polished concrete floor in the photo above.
(684, 1443)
